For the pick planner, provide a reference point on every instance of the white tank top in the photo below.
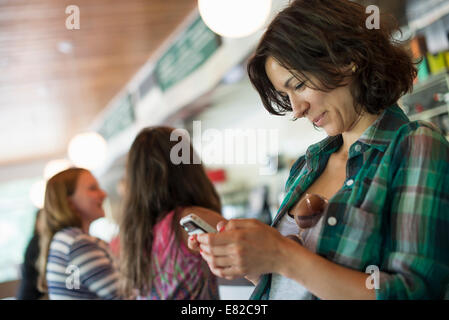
(283, 288)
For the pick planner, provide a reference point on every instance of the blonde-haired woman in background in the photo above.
(72, 264)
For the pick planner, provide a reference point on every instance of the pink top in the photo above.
(178, 274)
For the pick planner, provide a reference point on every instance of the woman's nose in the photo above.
(299, 106)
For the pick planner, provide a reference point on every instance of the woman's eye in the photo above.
(299, 86)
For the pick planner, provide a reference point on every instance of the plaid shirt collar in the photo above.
(377, 135)
(382, 131)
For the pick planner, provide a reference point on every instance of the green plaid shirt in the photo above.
(392, 211)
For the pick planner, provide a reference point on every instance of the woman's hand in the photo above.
(211, 217)
(193, 243)
(248, 248)
(244, 247)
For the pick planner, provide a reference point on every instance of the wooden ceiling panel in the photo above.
(74, 72)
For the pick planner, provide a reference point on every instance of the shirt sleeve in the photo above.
(417, 263)
(95, 267)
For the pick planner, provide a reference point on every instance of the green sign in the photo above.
(118, 118)
(192, 48)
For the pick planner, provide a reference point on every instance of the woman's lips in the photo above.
(319, 121)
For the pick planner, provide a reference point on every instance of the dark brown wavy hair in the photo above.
(323, 37)
(154, 187)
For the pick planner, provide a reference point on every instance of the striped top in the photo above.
(392, 212)
(178, 274)
(80, 267)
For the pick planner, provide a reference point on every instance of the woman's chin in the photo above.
(331, 132)
(100, 214)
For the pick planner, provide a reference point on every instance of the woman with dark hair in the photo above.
(384, 232)
(160, 190)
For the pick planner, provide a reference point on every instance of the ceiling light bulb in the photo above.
(88, 150)
(234, 18)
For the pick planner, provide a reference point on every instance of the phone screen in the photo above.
(190, 226)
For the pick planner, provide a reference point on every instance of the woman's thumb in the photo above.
(221, 225)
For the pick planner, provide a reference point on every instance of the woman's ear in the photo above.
(348, 71)
(71, 205)
(351, 68)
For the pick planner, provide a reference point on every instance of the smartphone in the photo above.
(195, 225)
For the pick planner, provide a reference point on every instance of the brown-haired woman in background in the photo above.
(72, 264)
(155, 261)
(386, 178)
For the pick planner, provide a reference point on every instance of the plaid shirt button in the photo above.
(332, 221)
(350, 182)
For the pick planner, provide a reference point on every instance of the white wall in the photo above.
(238, 106)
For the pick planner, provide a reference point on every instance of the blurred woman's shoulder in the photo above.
(68, 234)
(72, 235)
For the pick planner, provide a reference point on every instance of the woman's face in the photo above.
(87, 201)
(333, 111)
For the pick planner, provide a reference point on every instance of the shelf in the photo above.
(427, 19)
(429, 82)
(430, 113)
